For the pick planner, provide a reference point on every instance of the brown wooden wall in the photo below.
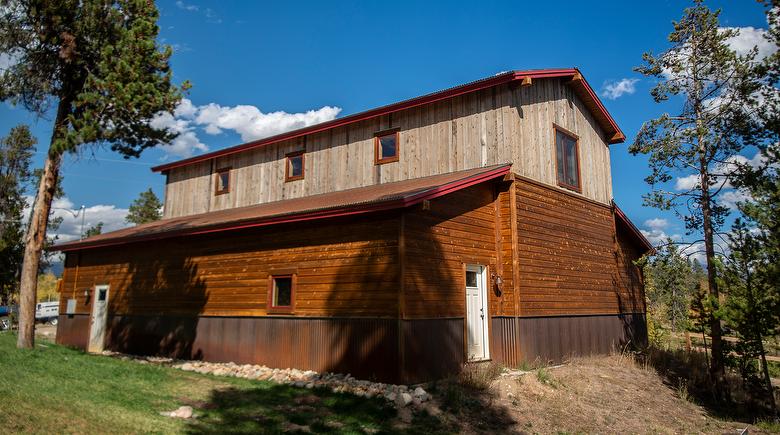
(344, 267)
(457, 229)
(569, 261)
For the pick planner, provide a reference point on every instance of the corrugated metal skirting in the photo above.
(554, 339)
(365, 347)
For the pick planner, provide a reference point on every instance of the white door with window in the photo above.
(476, 313)
(97, 330)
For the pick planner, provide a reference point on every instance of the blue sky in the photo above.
(305, 56)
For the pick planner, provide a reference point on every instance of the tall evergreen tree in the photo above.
(701, 139)
(98, 62)
(672, 285)
(16, 152)
(146, 208)
(751, 307)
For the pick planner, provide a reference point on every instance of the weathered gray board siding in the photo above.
(504, 124)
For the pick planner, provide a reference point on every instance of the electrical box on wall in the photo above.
(70, 308)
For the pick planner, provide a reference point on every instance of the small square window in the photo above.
(281, 294)
(567, 159)
(386, 147)
(222, 183)
(295, 166)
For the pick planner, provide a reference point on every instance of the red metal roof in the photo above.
(343, 203)
(583, 89)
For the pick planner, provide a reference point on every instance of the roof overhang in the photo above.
(640, 238)
(576, 80)
(348, 202)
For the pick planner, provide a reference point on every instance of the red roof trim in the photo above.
(634, 230)
(300, 217)
(406, 104)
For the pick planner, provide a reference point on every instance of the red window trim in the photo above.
(287, 176)
(377, 146)
(557, 128)
(281, 309)
(217, 173)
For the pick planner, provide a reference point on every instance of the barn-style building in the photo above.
(471, 224)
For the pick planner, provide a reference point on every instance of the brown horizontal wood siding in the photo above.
(568, 258)
(343, 267)
(454, 230)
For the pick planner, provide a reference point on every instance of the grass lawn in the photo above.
(53, 389)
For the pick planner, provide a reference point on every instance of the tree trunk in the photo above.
(767, 378)
(36, 235)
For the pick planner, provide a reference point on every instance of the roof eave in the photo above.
(403, 202)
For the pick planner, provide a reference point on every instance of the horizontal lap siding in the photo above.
(344, 267)
(458, 229)
(568, 262)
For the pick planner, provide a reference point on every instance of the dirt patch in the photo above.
(610, 394)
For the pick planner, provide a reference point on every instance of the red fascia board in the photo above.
(406, 104)
(306, 216)
(641, 237)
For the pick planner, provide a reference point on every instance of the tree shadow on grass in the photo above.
(687, 373)
(281, 408)
(268, 408)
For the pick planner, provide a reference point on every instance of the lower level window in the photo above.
(281, 297)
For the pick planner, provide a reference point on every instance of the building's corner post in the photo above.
(402, 375)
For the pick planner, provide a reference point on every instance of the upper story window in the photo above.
(222, 182)
(567, 158)
(295, 166)
(386, 147)
(281, 294)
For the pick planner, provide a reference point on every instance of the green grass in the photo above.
(53, 389)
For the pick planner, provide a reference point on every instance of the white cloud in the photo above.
(248, 121)
(730, 198)
(6, 60)
(113, 218)
(657, 223)
(187, 7)
(186, 143)
(748, 38)
(252, 124)
(658, 237)
(687, 183)
(616, 89)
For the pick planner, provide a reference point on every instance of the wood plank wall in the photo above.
(458, 229)
(570, 261)
(498, 125)
(344, 267)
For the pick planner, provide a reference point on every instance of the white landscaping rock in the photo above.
(399, 395)
(183, 412)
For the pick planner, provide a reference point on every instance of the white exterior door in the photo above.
(476, 313)
(97, 332)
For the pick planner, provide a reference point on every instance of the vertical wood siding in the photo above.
(497, 125)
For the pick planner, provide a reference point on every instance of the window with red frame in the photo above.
(281, 293)
(567, 159)
(222, 184)
(386, 147)
(295, 166)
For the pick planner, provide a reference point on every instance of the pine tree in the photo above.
(16, 152)
(94, 231)
(701, 140)
(100, 66)
(751, 307)
(146, 208)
